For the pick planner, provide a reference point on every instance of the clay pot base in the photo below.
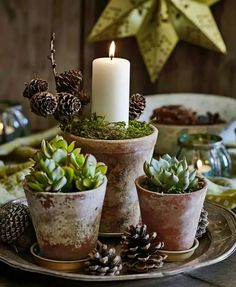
(64, 266)
(177, 256)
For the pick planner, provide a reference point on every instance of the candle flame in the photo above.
(112, 50)
(199, 164)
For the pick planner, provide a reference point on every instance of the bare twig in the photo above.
(51, 57)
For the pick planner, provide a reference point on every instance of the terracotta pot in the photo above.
(124, 159)
(173, 216)
(66, 224)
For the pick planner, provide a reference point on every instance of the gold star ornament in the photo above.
(158, 25)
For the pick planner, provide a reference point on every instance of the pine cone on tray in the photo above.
(43, 104)
(140, 250)
(137, 104)
(35, 86)
(69, 82)
(16, 226)
(202, 224)
(104, 261)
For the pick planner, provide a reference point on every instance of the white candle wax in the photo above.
(110, 89)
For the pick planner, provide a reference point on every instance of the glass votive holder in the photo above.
(206, 153)
(13, 122)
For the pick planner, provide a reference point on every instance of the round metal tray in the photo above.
(217, 245)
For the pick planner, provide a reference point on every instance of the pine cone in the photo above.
(43, 104)
(202, 224)
(16, 226)
(69, 82)
(137, 104)
(140, 252)
(35, 86)
(68, 105)
(104, 261)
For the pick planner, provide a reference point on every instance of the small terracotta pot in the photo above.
(124, 159)
(66, 224)
(173, 216)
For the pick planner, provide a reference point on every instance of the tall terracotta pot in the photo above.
(66, 224)
(124, 159)
(173, 216)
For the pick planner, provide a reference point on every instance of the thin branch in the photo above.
(51, 57)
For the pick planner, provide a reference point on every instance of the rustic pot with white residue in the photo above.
(124, 159)
(174, 217)
(66, 224)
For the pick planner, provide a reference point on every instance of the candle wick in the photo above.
(111, 57)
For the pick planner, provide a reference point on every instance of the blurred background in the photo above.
(26, 26)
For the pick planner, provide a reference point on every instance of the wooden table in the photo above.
(221, 274)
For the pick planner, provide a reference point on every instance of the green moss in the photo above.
(96, 127)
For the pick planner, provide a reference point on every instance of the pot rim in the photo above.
(64, 193)
(191, 126)
(141, 178)
(125, 141)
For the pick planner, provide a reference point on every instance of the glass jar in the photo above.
(206, 153)
(13, 122)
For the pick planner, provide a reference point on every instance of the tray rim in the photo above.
(92, 278)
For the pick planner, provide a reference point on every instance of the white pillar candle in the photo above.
(110, 87)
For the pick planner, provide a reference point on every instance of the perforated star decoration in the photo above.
(158, 25)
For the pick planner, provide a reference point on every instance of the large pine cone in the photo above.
(104, 261)
(69, 82)
(43, 104)
(137, 104)
(14, 220)
(35, 86)
(140, 252)
(202, 224)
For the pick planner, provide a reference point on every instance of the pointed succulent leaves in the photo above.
(59, 167)
(60, 156)
(71, 147)
(89, 167)
(44, 149)
(58, 185)
(170, 175)
(101, 168)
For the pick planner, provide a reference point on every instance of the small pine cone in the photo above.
(104, 261)
(16, 226)
(202, 224)
(35, 86)
(68, 104)
(43, 104)
(140, 250)
(69, 82)
(137, 104)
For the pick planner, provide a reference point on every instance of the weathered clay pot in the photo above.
(124, 159)
(173, 216)
(66, 224)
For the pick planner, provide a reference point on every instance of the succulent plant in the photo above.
(169, 175)
(60, 167)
